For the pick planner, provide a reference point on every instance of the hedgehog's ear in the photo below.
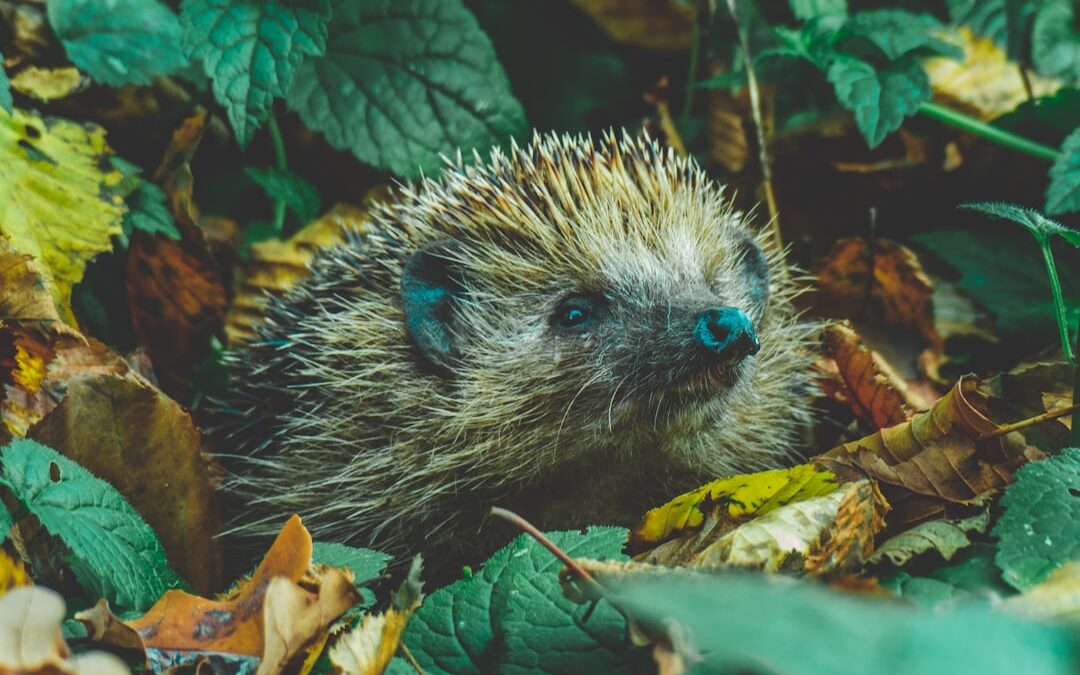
(429, 290)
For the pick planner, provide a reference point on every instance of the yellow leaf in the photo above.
(12, 571)
(48, 84)
(745, 496)
(57, 206)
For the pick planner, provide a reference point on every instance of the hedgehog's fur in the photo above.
(336, 416)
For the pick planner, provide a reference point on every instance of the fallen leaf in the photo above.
(125, 431)
(25, 294)
(946, 536)
(31, 642)
(48, 84)
(12, 571)
(653, 24)
(1056, 598)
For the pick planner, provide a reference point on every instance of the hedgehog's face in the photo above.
(657, 326)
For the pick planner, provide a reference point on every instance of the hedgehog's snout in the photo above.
(726, 334)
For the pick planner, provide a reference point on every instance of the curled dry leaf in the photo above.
(274, 266)
(946, 454)
(653, 24)
(31, 642)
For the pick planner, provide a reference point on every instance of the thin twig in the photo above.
(1032, 421)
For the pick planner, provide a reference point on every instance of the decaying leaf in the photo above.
(124, 430)
(946, 454)
(12, 571)
(31, 642)
(274, 266)
(946, 536)
(653, 24)
(25, 294)
(57, 203)
(48, 84)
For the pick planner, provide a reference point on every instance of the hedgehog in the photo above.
(576, 329)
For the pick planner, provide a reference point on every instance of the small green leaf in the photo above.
(404, 82)
(879, 99)
(810, 9)
(898, 33)
(365, 564)
(986, 18)
(6, 102)
(1055, 40)
(119, 42)
(6, 521)
(147, 212)
(513, 618)
(1063, 194)
(298, 194)
(251, 49)
(114, 553)
(1036, 223)
(1040, 528)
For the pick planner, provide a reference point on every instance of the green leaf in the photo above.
(251, 50)
(6, 103)
(810, 9)
(724, 623)
(6, 521)
(404, 82)
(114, 553)
(985, 17)
(147, 212)
(879, 99)
(1040, 528)
(972, 577)
(1063, 194)
(299, 195)
(121, 41)
(512, 617)
(1055, 40)
(1034, 222)
(897, 33)
(945, 536)
(365, 564)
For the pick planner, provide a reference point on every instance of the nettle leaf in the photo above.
(1063, 193)
(1034, 222)
(364, 563)
(879, 98)
(721, 623)
(251, 50)
(118, 42)
(114, 553)
(898, 33)
(298, 194)
(147, 212)
(1055, 40)
(512, 616)
(6, 103)
(809, 9)
(404, 82)
(1040, 529)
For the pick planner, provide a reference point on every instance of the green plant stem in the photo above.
(691, 76)
(989, 132)
(1059, 300)
(278, 142)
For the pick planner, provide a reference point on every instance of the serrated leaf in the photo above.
(1055, 40)
(147, 212)
(512, 617)
(365, 564)
(1034, 222)
(404, 82)
(119, 42)
(6, 103)
(298, 194)
(898, 33)
(879, 99)
(1040, 529)
(114, 552)
(251, 50)
(58, 204)
(809, 9)
(1063, 193)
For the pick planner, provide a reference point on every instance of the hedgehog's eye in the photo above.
(576, 312)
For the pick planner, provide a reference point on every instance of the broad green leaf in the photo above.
(118, 42)
(1034, 222)
(365, 564)
(1040, 529)
(724, 623)
(6, 103)
(972, 576)
(944, 536)
(879, 99)
(114, 552)
(985, 17)
(898, 33)
(56, 188)
(404, 82)
(1014, 287)
(1063, 193)
(251, 50)
(1055, 40)
(809, 9)
(147, 212)
(299, 195)
(512, 617)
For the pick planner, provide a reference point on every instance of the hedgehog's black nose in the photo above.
(726, 333)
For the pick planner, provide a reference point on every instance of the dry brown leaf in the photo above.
(946, 454)
(653, 24)
(24, 293)
(274, 266)
(31, 642)
(124, 430)
(729, 144)
(864, 381)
